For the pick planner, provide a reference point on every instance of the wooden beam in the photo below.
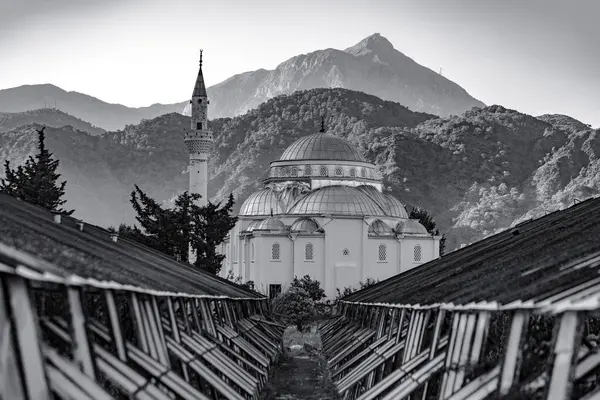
(115, 326)
(25, 318)
(512, 351)
(82, 352)
(139, 323)
(566, 341)
(11, 384)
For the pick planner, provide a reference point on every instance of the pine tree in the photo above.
(429, 223)
(174, 231)
(36, 181)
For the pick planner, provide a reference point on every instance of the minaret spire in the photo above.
(200, 57)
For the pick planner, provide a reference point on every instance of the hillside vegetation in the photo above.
(476, 173)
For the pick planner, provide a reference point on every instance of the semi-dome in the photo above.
(336, 200)
(305, 225)
(253, 225)
(377, 196)
(270, 224)
(261, 203)
(411, 227)
(396, 207)
(380, 228)
(321, 146)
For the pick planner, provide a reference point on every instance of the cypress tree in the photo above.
(36, 181)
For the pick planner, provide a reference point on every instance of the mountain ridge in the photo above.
(476, 173)
(372, 66)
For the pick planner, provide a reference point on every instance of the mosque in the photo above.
(322, 212)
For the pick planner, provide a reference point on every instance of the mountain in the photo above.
(48, 117)
(477, 172)
(97, 112)
(372, 66)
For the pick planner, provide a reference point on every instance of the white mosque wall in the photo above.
(381, 259)
(412, 246)
(314, 267)
(343, 253)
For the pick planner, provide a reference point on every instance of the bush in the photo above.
(295, 305)
(312, 287)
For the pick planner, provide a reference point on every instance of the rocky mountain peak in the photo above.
(372, 44)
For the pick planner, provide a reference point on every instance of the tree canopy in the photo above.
(36, 181)
(429, 223)
(185, 227)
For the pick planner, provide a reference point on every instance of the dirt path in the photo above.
(302, 372)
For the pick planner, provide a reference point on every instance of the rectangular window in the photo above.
(274, 291)
(198, 125)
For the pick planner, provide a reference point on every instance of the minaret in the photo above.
(199, 140)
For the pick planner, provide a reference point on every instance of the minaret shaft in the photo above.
(199, 140)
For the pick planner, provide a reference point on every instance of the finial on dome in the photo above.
(322, 124)
(200, 57)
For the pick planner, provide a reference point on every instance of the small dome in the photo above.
(253, 225)
(261, 203)
(338, 200)
(380, 228)
(305, 225)
(411, 227)
(376, 195)
(270, 224)
(321, 146)
(396, 207)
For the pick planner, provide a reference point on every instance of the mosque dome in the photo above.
(321, 146)
(380, 228)
(305, 225)
(336, 200)
(264, 202)
(253, 225)
(395, 206)
(411, 227)
(270, 224)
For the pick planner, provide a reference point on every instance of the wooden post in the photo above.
(566, 341)
(175, 333)
(24, 316)
(512, 351)
(139, 323)
(115, 326)
(439, 320)
(11, 384)
(82, 352)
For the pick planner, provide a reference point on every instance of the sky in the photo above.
(535, 56)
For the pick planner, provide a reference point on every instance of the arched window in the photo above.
(294, 171)
(363, 172)
(352, 172)
(307, 171)
(418, 252)
(323, 171)
(275, 252)
(339, 171)
(288, 171)
(346, 252)
(382, 253)
(252, 252)
(309, 253)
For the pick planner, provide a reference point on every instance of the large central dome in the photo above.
(321, 146)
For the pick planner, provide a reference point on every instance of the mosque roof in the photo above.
(380, 228)
(321, 146)
(336, 200)
(411, 227)
(270, 224)
(264, 202)
(305, 225)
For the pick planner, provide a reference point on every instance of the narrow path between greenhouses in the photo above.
(302, 372)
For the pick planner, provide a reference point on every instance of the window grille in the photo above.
(363, 172)
(275, 251)
(382, 252)
(418, 253)
(274, 291)
(346, 252)
(288, 171)
(307, 171)
(339, 171)
(309, 252)
(323, 171)
(294, 171)
(352, 172)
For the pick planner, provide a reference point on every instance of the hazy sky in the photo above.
(536, 56)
